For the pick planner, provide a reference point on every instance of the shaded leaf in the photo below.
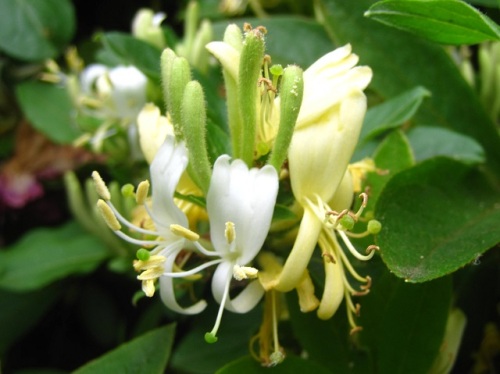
(392, 113)
(443, 21)
(291, 364)
(35, 30)
(127, 50)
(403, 324)
(428, 142)
(49, 109)
(437, 217)
(148, 353)
(45, 255)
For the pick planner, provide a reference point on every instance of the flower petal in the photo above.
(244, 197)
(167, 292)
(166, 169)
(246, 299)
(153, 129)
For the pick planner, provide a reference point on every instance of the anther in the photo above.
(368, 283)
(364, 196)
(100, 186)
(184, 232)
(230, 232)
(108, 215)
(142, 192)
(244, 272)
(372, 248)
(328, 258)
(355, 330)
(357, 311)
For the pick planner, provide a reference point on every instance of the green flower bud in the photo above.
(194, 127)
(291, 89)
(127, 190)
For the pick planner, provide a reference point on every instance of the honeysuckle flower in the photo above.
(153, 129)
(240, 204)
(146, 26)
(118, 92)
(325, 136)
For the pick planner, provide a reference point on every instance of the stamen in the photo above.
(277, 356)
(372, 248)
(100, 186)
(244, 272)
(184, 232)
(182, 274)
(363, 196)
(211, 337)
(142, 192)
(130, 225)
(353, 250)
(230, 232)
(148, 287)
(108, 215)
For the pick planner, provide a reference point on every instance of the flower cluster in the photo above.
(300, 127)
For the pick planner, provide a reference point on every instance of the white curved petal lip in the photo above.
(246, 300)
(227, 55)
(153, 130)
(89, 76)
(166, 169)
(167, 292)
(244, 197)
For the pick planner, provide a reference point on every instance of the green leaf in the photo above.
(392, 155)
(443, 21)
(282, 43)
(403, 324)
(428, 142)
(148, 353)
(193, 355)
(291, 364)
(15, 324)
(49, 109)
(401, 61)
(45, 255)
(392, 113)
(131, 51)
(437, 217)
(35, 30)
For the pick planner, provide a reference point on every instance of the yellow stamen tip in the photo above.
(108, 215)
(100, 186)
(230, 232)
(142, 192)
(184, 232)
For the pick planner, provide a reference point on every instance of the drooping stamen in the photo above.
(130, 225)
(353, 250)
(277, 356)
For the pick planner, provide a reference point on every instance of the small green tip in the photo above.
(374, 226)
(276, 70)
(347, 222)
(210, 338)
(143, 254)
(128, 190)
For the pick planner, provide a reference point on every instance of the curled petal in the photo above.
(228, 56)
(246, 299)
(153, 129)
(245, 198)
(167, 291)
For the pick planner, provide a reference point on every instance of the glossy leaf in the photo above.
(45, 255)
(428, 142)
(392, 113)
(48, 107)
(403, 324)
(438, 217)
(149, 353)
(443, 21)
(128, 50)
(391, 156)
(291, 364)
(35, 30)
(401, 61)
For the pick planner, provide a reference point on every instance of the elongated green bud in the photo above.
(194, 129)
(291, 90)
(167, 58)
(251, 59)
(176, 73)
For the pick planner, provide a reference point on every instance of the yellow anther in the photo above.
(148, 287)
(108, 215)
(230, 232)
(142, 192)
(184, 232)
(244, 272)
(100, 187)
